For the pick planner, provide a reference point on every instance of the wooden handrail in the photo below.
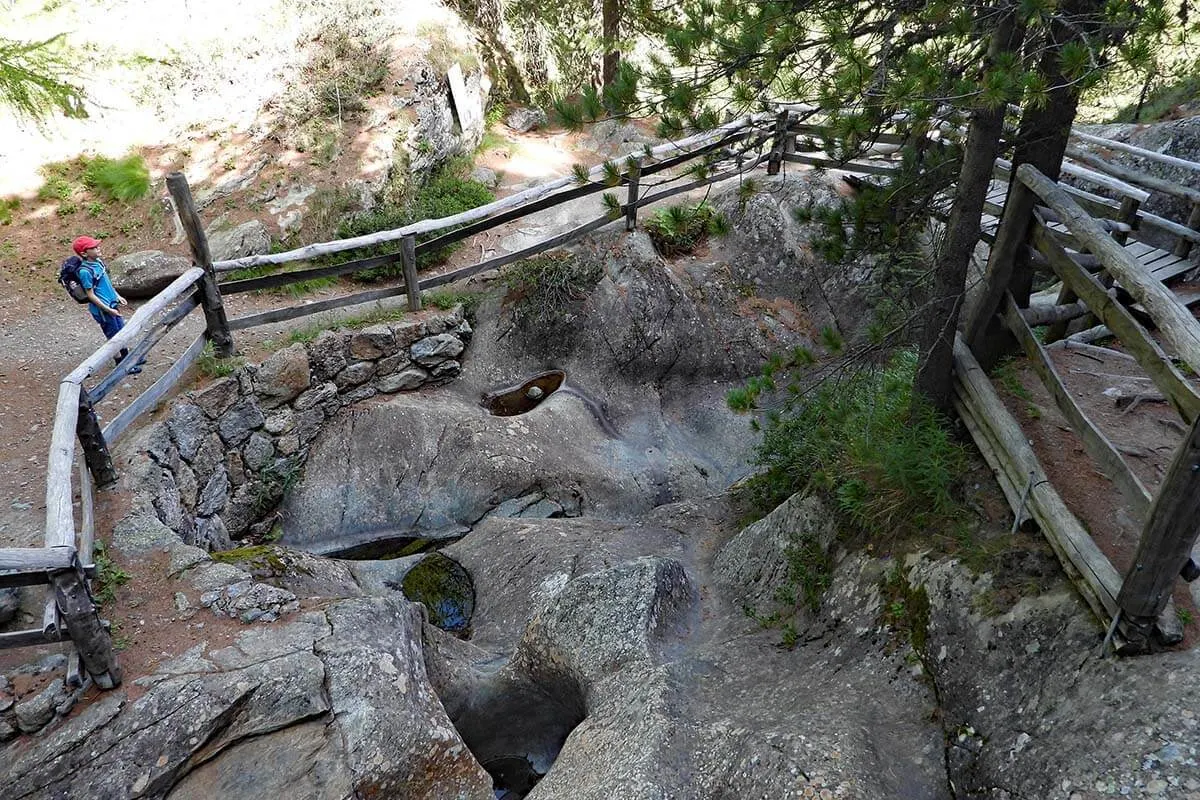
(1179, 328)
(535, 193)
(1150, 155)
(1133, 176)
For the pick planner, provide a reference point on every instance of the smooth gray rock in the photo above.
(355, 374)
(214, 495)
(248, 239)
(236, 425)
(283, 376)
(146, 273)
(189, 426)
(211, 534)
(523, 120)
(433, 350)
(209, 457)
(411, 378)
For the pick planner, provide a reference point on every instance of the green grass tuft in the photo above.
(682, 229)
(122, 179)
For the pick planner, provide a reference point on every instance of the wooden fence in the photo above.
(1137, 606)
(65, 562)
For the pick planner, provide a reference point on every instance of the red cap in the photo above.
(84, 243)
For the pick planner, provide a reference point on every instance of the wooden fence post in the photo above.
(634, 177)
(95, 449)
(778, 143)
(984, 333)
(217, 325)
(1183, 246)
(408, 261)
(1166, 544)
(88, 635)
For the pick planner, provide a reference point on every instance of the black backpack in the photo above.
(68, 276)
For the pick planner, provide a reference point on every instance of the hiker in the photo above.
(103, 299)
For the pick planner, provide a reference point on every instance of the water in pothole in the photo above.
(524, 397)
(516, 731)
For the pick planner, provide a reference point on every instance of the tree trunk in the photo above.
(934, 380)
(611, 21)
(1042, 142)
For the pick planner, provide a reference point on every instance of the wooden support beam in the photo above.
(217, 325)
(1094, 441)
(36, 559)
(1184, 245)
(408, 261)
(983, 333)
(95, 449)
(1047, 314)
(1166, 544)
(60, 515)
(86, 631)
(778, 143)
(1134, 176)
(1161, 158)
(631, 197)
(1149, 355)
(136, 353)
(157, 391)
(28, 638)
(1088, 568)
(1176, 324)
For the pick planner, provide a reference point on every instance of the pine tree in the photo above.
(38, 79)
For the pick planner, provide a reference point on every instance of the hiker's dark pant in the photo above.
(111, 324)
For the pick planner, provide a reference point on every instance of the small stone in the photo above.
(33, 714)
(411, 378)
(280, 421)
(327, 355)
(215, 494)
(237, 423)
(189, 426)
(535, 393)
(181, 602)
(218, 397)
(446, 369)
(355, 374)
(258, 451)
(359, 394)
(287, 445)
(283, 376)
(6, 731)
(433, 350)
(372, 342)
(318, 395)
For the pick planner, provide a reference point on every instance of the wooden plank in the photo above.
(286, 278)
(136, 325)
(856, 167)
(87, 517)
(157, 391)
(29, 638)
(307, 309)
(1094, 441)
(467, 231)
(509, 258)
(690, 147)
(36, 559)
(981, 435)
(1135, 176)
(60, 523)
(1182, 395)
(1167, 540)
(408, 258)
(168, 323)
(663, 194)
(1090, 570)
(1184, 246)
(1117, 187)
(1138, 249)
(1161, 158)
(95, 448)
(1175, 323)
(1184, 233)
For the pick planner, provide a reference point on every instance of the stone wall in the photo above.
(215, 469)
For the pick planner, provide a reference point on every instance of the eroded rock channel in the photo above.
(588, 608)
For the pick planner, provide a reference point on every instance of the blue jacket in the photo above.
(93, 275)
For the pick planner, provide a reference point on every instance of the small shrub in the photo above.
(887, 463)
(122, 179)
(57, 188)
(544, 289)
(108, 578)
(681, 229)
(213, 367)
(7, 206)
(446, 300)
(448, 192)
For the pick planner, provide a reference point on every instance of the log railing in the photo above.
(65, 562)
(1137, 605)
